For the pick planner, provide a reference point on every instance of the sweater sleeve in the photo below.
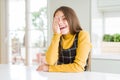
(84, 47)
(52, 52)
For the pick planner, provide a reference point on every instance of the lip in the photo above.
(62, 27)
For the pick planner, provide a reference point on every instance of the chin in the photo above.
(64, 33)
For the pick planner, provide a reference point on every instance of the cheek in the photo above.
(66, 23)
(69, 29)
(68, 26)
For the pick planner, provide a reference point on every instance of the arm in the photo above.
(52, 52)
(84, 47)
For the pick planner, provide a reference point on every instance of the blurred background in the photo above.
(25, 30)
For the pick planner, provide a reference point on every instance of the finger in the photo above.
(55, 23)
(56, 20)
(39, 68)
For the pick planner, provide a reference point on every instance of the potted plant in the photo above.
(111, 43)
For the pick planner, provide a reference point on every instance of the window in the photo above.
(27, 30)
(112, 22)
(104, 20)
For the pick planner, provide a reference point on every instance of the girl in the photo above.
(70, 46)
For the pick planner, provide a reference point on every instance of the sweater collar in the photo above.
(67, 36)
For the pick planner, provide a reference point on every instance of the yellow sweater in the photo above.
(83, 49)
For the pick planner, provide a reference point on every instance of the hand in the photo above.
(43, 67)
(55, 25)
(41, 58)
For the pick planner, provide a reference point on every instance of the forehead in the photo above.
(59, 14)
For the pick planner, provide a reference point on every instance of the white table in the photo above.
(10, 72)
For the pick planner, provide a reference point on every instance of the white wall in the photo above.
(81, 7)
(106, 65)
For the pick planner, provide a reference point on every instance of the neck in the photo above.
(66, 36)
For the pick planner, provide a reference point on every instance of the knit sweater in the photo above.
(82, 51)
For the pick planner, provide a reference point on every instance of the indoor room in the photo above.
(26, 33)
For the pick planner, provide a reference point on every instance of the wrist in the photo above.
(47, 68)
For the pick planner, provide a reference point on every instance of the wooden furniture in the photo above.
(88, 65)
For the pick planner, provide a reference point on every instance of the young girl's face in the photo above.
(62, 22)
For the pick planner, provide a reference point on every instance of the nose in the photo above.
(60, 21)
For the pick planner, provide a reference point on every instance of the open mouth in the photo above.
(62, 28)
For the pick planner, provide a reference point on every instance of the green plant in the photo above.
(111, 38)
(116, 37)
(39, 21)
(39, 18)
(108, 38)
